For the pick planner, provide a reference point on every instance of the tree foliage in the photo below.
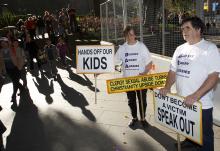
(7, 18)
(180, 7)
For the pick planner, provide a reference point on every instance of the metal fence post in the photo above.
(124, 3)
(199, 8)
(116, 40)
(163, 27)
(141, 19)
(107, 27)
(101, 16)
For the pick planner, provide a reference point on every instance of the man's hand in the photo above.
(191, 99)
(146, 69)
(142, 73)
(164, 91)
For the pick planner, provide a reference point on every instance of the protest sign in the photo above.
(171, 112)
(136, 82)
(95, 59)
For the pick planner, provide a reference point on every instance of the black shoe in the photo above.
(14, 106)
(54, 77)
(186, 144)
(133, 122)
(31, 68)
(13, 98)
(144, 123)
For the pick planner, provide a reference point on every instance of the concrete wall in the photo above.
(161, 63)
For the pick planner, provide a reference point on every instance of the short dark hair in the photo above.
(127, 29)
(196, 22)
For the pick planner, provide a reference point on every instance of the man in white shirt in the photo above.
(195, 68)
(136, 60)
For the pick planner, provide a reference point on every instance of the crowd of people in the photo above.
(17, 58)
(18, 50)
(54, 25)
(61, 24)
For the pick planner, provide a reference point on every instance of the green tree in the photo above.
(7, 18)
(180, 7)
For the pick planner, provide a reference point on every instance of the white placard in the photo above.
(171, 112)
(95, 59)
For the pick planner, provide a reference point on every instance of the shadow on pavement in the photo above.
(66, 135)
(82, 81)
(34, 73)
(165, 140)
(75, 98)
(50, 69)
(27, 131)
(45, 87)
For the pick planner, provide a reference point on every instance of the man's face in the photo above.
(190, 33)
(130, 36)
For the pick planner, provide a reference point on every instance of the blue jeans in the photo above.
(207, 130)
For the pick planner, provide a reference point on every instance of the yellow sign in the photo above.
(206, 6)
(136, 83)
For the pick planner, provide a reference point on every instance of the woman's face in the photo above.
(130, 36)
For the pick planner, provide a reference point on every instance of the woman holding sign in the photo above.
(136, 60)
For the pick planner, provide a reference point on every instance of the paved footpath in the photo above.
(62, 115)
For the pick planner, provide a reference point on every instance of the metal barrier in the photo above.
(156, 23)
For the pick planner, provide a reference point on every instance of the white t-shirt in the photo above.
(134, 58)
(193, 64)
